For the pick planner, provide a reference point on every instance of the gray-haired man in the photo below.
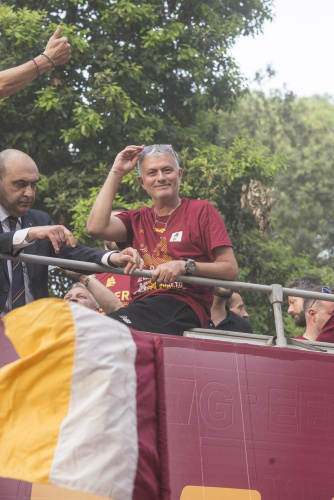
(174, 237)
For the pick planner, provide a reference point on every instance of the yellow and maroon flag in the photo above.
(79, 409)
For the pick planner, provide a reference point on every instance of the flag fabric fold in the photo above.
(79, 408)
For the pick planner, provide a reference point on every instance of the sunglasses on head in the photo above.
(325, 289)
(161, 148)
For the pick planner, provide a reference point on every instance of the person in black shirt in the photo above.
(224, 319)
(236, 305)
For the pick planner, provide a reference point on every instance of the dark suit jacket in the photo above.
(38, 273)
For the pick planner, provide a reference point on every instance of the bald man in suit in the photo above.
(31, 231)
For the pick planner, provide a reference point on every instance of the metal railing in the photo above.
(275, 291)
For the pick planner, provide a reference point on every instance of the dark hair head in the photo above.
(224, 293)
(303, 283)
(231, 299)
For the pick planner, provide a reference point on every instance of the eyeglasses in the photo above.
(161, 148)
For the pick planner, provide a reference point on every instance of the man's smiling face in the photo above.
(161, 177)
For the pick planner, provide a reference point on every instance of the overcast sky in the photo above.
(298, 44)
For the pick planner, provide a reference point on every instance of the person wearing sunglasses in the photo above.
(319, 317)
(176, 236)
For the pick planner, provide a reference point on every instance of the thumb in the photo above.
(57, 33)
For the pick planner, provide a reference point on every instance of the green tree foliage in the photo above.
(300, 241)
(302, 132)
(141, 72)
(144, 72)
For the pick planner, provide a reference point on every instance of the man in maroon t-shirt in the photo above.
(175, 237)
(319, 317)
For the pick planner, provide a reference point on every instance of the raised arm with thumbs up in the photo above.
(58, 49)
(57, 52)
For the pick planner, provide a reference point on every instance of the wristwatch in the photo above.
(88, 278)
(190, 266)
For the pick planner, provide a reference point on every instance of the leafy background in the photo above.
(161, 72)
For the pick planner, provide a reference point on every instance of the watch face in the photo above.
(191, 266)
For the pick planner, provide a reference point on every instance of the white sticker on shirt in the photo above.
(176, 236)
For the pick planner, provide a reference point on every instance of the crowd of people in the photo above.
(174, 237)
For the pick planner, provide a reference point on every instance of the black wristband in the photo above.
(109, 261)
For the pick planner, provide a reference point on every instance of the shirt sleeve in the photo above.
(327, 332)
(104, 259)
(19, 239)
(125, 217)
(213, 229)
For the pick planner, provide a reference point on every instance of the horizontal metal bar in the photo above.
(195, 280)
(305, 294)
(229, 333)
(97, 268)
(275, 291)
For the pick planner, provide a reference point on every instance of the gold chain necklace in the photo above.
(163, 229)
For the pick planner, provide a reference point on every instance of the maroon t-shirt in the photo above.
(193, 231)
(327, 333)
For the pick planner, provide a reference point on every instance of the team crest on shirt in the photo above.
(176, 236)
(110, 282)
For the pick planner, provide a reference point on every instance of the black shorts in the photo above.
(158, 314)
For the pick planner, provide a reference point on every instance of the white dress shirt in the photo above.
(19, 242)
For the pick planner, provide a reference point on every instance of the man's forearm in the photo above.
(217, 270)
(14, 79)
(224, 267)
(98, 223)
(106, 299)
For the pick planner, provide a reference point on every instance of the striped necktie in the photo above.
(18, 294)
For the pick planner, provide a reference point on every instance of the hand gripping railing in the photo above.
(275, 291)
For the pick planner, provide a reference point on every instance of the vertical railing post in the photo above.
(276, 299)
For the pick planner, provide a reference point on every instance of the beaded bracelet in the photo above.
(42, 54)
